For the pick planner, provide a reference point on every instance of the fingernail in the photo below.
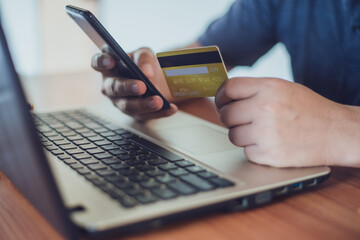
(148, 70)
(152, 104)
(134, 88)
(106, 62)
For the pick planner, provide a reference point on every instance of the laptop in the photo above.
(97, 172)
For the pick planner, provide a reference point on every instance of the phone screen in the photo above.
(103, 40)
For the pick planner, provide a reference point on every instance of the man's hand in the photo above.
(283, 124)
(126, 93)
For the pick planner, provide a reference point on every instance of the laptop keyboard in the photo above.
(130, 169)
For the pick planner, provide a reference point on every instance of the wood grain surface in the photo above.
(328, 211)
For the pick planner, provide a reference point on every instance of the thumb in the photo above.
(146, 61)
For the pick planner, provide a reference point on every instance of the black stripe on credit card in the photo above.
(190, 59)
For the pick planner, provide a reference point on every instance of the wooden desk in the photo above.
(330, 211)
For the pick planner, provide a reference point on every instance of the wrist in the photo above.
(344, 148)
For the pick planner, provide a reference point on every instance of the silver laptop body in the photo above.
(73, 204)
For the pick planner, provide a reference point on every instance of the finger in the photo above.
(102, 62)
(137, 106)
(116, 87)
(146, 61)
(243, 135)
(236, 89)
(237, 112)
(158, 114)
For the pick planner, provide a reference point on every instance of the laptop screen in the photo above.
(21, 157)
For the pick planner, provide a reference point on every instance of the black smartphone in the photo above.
(103, 40)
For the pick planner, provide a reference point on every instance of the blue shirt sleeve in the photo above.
(245, 33)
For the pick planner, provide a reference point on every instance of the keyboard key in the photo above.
(221, 182)
(62, 142)
(121, 131)
(74, 138)
(95, 150)
(103, 155)
(182, 188)
(124, 157)
(114, 178)
(52, 148)
(157, 161)
(68, 133)
(95, 138)
(81, 156)
(76, 165)
(110, 147)
(57, 152)
(127, 202)
(121, 184)
(111, 160)
(74, 125)
(88, 161)
(144, 168)
(139, 178)
(98, 181)
(83, 171)
(68, 146)
(92, 125)
(100, 130)
(206, 174)
(167, 166)
(184, 163)
(178, 172)
(129, 135)
(102, 142)
(114, 138)
(111, 126)
(97, 166)
(106, 172)
(147, 156)
(145, 198)
(70, 161)
(165, 178)
(134, 162)
(164, 193)
(56, 138)
(122, 142)
(195, 169)
(81, 142)
(150, 184)
(89, 134)
(158, 150)
(129, 172)
(119, 166)
(74, 151)
(197, 182)
(117, 151)
(63, 156)
(50, 134)
(154, 173)
(133, 190)
(107, 134)
(130, 147)
(88, 146)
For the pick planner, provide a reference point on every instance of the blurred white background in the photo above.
(44, 40)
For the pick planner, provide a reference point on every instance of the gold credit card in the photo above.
(195, 72)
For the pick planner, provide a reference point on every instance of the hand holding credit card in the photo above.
(195, 72)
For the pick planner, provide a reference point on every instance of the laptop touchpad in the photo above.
(197, 139)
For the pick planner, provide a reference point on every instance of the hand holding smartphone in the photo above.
(103, 40)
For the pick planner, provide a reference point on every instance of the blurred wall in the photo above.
(43, 39)
(166, 24)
